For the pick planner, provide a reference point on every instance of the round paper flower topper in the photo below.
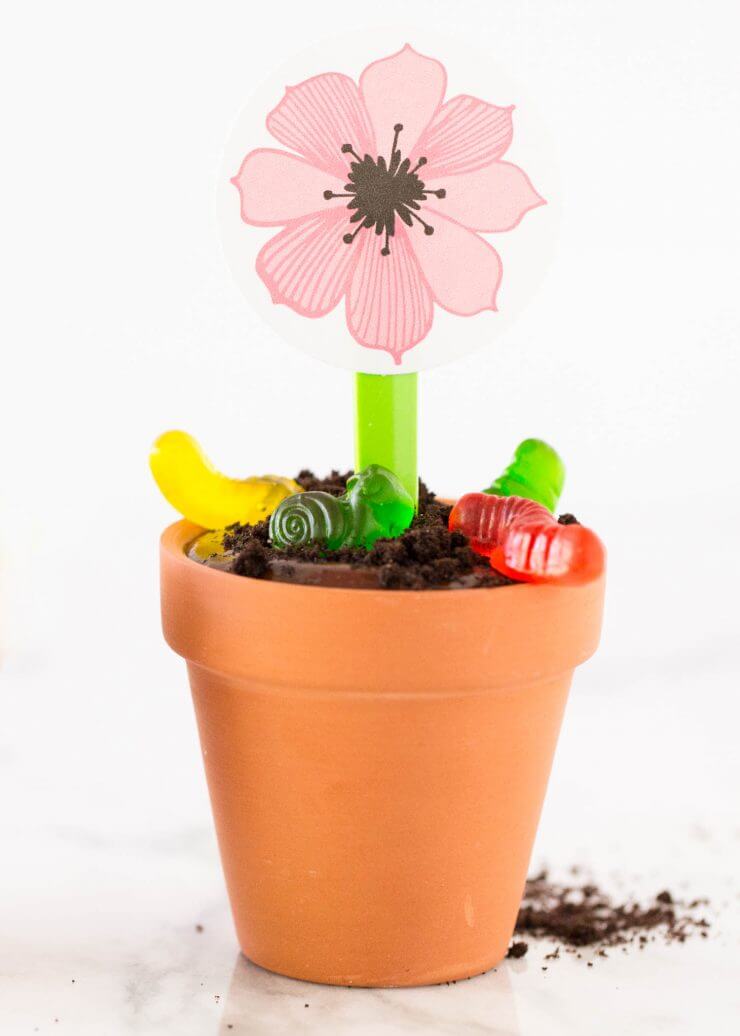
(383, 200)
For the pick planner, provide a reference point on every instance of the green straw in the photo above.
(385, 426)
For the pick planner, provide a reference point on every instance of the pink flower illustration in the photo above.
(384, 199)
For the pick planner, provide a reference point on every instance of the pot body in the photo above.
(376, 760)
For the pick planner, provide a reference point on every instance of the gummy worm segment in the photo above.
(525, 542)
(546, 552)
(536, 472)
(188, 480)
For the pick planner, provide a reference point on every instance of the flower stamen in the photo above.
(349, 238)
(380, 190)
(428, 230)
(347, 149)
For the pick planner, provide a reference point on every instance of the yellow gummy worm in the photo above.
(188, 480)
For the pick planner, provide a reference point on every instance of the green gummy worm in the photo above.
(536, 473)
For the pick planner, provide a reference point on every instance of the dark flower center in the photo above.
(380, 190)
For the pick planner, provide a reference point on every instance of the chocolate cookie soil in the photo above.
(426, 556)
(579, 914)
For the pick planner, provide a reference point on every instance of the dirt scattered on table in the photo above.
(581, 916)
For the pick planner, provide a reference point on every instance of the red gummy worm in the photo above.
(484, 518)
(524, 541)
(546, 552)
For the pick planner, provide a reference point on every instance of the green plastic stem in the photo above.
(385, 426)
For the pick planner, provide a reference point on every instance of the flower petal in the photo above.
(462, 270)
(491, 199)
(465, 134)
(307, 265)
(276, 188)
(389, 305)
(319, 115)
(406, 88)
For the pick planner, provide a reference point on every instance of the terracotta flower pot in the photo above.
(376, 760)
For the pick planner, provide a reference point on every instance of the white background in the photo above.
(121, 320)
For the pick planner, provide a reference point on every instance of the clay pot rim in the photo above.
(178, 535)
(480, 638)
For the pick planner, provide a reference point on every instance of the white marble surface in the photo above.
(109, 864)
